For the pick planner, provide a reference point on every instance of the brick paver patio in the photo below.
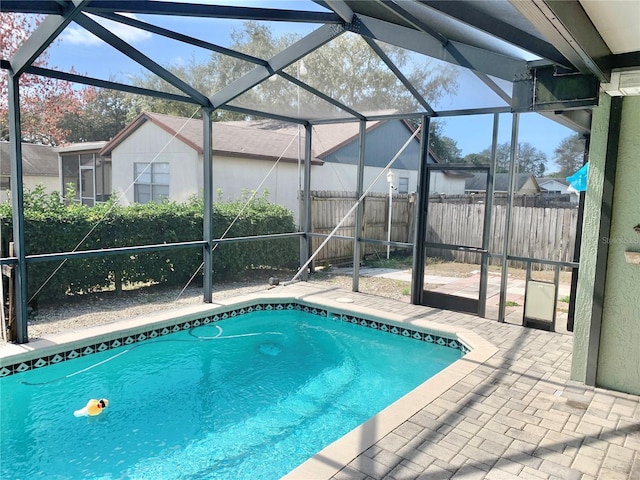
(516, 416)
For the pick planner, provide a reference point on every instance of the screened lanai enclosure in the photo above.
(345, 106)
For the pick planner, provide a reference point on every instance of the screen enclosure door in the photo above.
(456, 239)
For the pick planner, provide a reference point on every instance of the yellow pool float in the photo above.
(92, 408)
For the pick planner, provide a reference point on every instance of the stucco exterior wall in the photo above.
(589, 246)
(619, 361)
(150, 143)
(619, 353)
(50, 184)
(233, 176)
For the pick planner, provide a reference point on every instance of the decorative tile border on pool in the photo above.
(407, 332)
(125, 340)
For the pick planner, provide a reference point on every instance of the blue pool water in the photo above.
(248, 397)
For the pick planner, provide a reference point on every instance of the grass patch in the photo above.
(565, 299)
(399, 261)
(511, 303)
(396, 263)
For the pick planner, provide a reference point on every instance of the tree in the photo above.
(569, 155)
(477, 159)
(345, 69)
(43, 101)
(190, 72)
(530, 159)
(103, 114)
(445, 148)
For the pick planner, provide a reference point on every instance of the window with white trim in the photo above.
(151, 182)
(403, 185)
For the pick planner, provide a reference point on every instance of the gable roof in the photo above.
(235, 139)
(39, 160)
(478, 182)
(326, 137)
(542, 181)
(259, 139)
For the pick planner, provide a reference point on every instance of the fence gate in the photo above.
(470, 297)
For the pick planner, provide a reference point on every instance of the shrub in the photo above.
(52, 227)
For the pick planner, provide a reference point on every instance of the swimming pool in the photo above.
(197, 438)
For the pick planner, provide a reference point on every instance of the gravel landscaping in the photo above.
(105, 307)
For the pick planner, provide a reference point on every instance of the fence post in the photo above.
(411, 200)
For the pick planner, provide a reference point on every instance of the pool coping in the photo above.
(338, 454)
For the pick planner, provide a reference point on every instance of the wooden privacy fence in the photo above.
(544, 233)
(328, 208)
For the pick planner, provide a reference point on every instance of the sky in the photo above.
(89, 55)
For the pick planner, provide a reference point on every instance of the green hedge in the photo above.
(52, 227)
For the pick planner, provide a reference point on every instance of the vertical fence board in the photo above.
(545, 233)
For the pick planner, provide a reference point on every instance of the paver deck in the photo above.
(516, 416)
(469, 287)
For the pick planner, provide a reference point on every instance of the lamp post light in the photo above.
(390, 181)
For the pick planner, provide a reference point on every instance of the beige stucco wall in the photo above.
(233, 176)
(29, 182)
(150, 143)
(619, 354)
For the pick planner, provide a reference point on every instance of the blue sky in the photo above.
(89, 55)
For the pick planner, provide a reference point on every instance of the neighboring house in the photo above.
(339, 146)
(526, 184)
(84, 171)
(552, 186)
(160, 156)
(557, 186)
(39, 167)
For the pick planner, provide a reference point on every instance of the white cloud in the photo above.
(79, 36)
(76, 35)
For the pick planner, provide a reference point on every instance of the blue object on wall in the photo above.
(579, 179)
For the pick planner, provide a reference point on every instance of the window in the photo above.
(151, 182)
(403, 185)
